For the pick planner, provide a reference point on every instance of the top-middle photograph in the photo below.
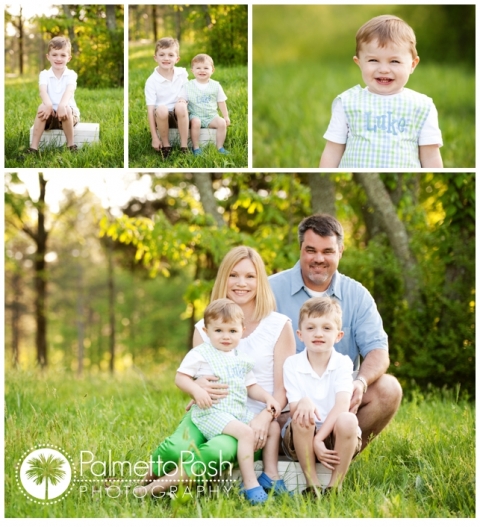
(188, 86)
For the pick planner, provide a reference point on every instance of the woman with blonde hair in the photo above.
(268, 339)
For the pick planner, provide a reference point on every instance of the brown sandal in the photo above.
(31, 150)
(73, 148)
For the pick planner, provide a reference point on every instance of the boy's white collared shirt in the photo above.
(56, 86)
(160, 91)
(301, 380)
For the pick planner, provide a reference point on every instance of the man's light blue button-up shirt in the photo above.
(362, 323)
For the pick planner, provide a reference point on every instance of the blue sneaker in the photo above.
(223, 151)
(254, 496)
(276, 486)
(197, 151)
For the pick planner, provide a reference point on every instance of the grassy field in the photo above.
(292, 108)
(104, 106)
(141, 154)
(422, 466)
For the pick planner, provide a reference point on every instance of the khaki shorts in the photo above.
(289, 447)
(53, 123)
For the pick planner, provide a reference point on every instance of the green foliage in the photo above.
(421, 466)
(141, 154)
(104, 106)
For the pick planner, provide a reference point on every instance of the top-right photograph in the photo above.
(362, 87)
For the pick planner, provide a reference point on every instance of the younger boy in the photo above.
(165, 109)
(203, 95)
(58, 110)
(319, 385)
(224, 325)
(384, 125)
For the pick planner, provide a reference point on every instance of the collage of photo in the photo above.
(239, 261)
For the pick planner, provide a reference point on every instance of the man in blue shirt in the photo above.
(376, 395)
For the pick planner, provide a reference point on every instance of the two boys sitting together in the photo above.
(175, 102)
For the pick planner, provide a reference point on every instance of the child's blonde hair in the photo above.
(60, 43)
(225, 310)
(202, 57)
(167, 42)
(385, 29)
(319, 307)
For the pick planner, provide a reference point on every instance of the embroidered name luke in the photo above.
(385, 123)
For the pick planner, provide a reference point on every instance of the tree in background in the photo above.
(96, 33)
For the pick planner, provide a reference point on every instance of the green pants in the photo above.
(197, 456)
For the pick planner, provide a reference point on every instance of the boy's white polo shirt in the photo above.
(161, 91)
(56, 87)
(301, 380)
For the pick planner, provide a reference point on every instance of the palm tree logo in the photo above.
(46, 470)
(45, 474)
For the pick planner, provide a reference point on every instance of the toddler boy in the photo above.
(58, 110)
(203, 95)
(319, 385)
(162, 92)
(384, 125)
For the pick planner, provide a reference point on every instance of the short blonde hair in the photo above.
(386, 29)
(264, 301)
(202, 57)
(60, 43)
(319, 307)
(167, 42)
(225, 310)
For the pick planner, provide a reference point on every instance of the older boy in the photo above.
(203, 95)
(383, 125)
(319, 385)
(57, 86)
(162, 92)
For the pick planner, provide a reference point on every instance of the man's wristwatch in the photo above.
(364, 382)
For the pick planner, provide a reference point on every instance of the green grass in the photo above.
(292, 108)
(141, 154)
(104, 106)
(421, 466)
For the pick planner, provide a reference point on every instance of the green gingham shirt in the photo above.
(231, 369)
(383, 131)
(203, 103)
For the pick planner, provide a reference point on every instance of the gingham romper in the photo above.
(202, 103)
(231, 369)
(383, 131)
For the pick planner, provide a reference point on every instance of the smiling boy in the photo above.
(319, 385)
(204, 95)
(57, 87)
(165, 108)
(383, 125)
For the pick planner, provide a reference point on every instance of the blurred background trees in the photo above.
(95, 31)
(157, 258)
(218, 30)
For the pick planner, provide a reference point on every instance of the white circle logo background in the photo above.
(38, 491)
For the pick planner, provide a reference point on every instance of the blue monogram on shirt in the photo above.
(385, 123)
(204, 99)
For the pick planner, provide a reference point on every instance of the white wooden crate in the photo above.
(83, 133)
(207, 135)
(290, 472)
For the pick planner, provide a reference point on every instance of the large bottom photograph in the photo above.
(239, 345)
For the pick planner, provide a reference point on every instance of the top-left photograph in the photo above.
(64, 86)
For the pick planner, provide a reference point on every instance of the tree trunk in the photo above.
(40, 277)
(20, 42)
(16, 314)
(71, 30)
(154, 23)
(80, 319)
(111, 304)
(381, 202)
(203, 182)
(322, 192)
(111, 18)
